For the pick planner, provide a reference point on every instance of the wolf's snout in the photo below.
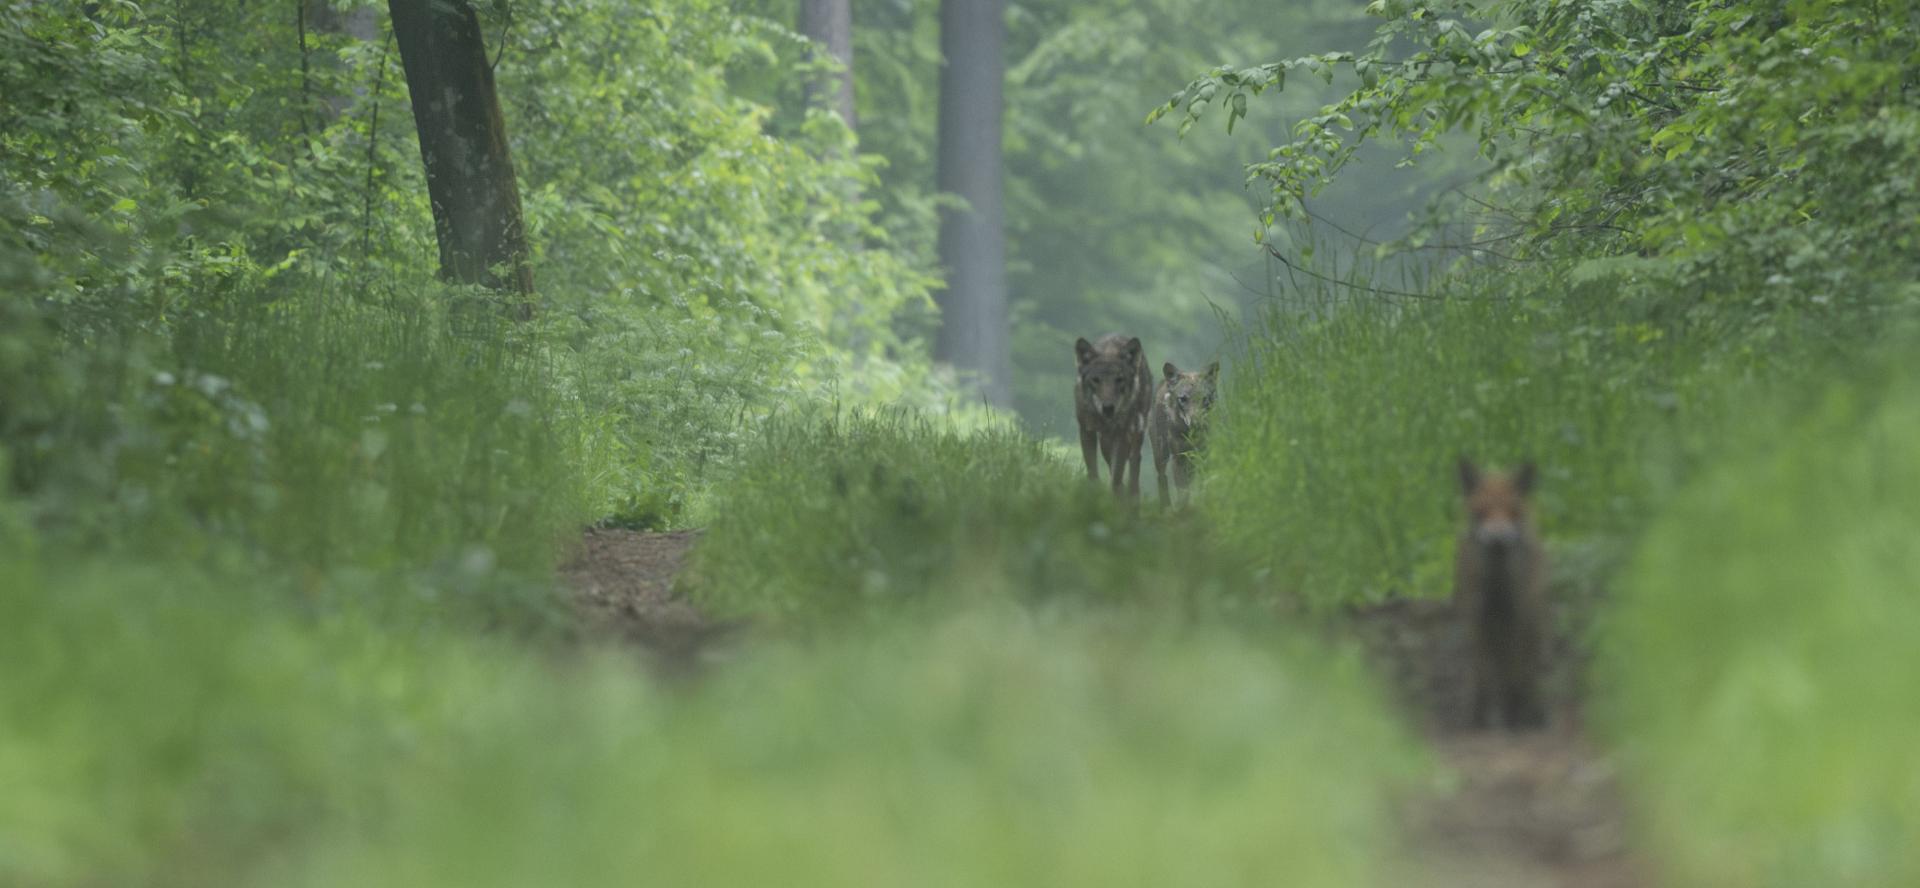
(1500, 535)
(1106, 409)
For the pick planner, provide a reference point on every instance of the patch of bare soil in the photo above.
(622, 582)
(1527, 810)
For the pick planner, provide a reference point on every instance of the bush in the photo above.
(1758, 664)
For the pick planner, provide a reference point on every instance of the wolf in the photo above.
(1500, 591)
(1178, 422)
(1111, 400)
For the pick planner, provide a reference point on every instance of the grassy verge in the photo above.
(1331, 463)
(306, 432)
(851, 514)
(1759, 661)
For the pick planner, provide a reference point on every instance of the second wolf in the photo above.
(1500, 588)
(1178, 421)
(1110, 401)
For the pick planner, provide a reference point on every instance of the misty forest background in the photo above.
(289, 454)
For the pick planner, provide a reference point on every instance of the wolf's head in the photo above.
(1189, 395)
(1109, 372)
(1497, 507)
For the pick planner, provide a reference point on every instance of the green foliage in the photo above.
(1759, 660)
(1615, 127)
(713, 221)
(846, 515)
(203, 733)
(192, 187)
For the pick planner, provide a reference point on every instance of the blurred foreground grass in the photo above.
(165, 726)
(1760, 668)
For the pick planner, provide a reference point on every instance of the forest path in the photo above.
(1539, 810)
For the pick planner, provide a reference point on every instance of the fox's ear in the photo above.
(1170, 370)
(1082, 351)
(1469, 475)
(1524, 477)
(1134, 348)
(1213, 371)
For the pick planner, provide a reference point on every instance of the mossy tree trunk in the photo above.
(463, 143)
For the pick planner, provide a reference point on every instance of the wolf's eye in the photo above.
(1183, 400)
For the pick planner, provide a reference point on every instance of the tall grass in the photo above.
(1331, 461)
(1759, 670)
(312, 433)
(845, 514)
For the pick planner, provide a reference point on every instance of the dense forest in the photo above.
(502, 442)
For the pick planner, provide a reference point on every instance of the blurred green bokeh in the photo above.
(1760, 670)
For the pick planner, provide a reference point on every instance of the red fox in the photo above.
(1110, 400)
(1499, 589)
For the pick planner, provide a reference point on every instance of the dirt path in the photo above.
(622, 583)
(1518, 811)
(1538, 810)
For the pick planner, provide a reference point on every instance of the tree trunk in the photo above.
(829, 23)
(463, 143)
(360, 22)
(973, 307)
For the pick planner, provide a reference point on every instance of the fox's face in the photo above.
(1108, 376)
(1497, 507)
(1190, 395)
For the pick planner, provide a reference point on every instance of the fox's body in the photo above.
(1500, 588)
(1178, 422)
(1111, 400)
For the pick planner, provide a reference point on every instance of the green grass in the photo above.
(1331, 462)
(313, 434)
(201, 732)
(847, 515)
(1759, 664)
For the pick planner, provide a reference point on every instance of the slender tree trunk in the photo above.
(325, 17)
(463, 143)
(973, 307)
(361, 22)
(830, 24)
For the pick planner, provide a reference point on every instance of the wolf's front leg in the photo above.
(1134, 442)
(1090, 451)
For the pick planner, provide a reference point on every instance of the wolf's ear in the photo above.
(1170, 370)
(1524, 477)
(1213, 371)
(1082, 351)
(1134, 348)
(1469, 475)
